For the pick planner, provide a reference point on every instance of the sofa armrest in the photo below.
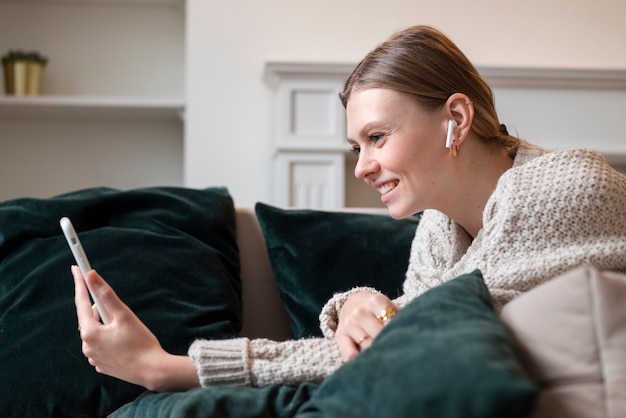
(264, 315)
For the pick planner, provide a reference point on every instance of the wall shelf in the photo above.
(91, 107)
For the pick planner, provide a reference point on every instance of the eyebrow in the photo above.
(368, 126)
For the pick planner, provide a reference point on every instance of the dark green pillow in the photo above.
(220, 401)
(171, 255)
(446, 354)
(315, 254)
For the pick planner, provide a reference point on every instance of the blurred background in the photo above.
(205, 92)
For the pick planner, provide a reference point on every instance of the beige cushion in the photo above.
(571, 337)
(264, 315)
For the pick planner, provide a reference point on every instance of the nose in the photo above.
(365, 166)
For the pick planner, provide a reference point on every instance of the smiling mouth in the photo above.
(387, 187)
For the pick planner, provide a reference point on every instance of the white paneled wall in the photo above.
(310, 179)
(309, 135)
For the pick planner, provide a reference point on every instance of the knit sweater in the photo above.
(549, 213)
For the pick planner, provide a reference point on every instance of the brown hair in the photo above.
(423, 62)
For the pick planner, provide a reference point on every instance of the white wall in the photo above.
(99, 49)
(229, 126)
(53, 157)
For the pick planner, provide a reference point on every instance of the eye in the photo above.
(355, 150)
(376, 137)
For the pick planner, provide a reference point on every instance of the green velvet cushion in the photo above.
(315, 254)
(171, 255)
(446, 354)
(220, 401)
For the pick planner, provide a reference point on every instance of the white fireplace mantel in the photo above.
(504, 77)
(553, 107)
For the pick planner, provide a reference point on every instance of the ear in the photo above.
(461, 109)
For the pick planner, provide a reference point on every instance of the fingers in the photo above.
(357, 335)
(348, 348)
(95, 313)
(364, 342)
(108, 301)
(104, 296)
(81, 298)
(362, 318)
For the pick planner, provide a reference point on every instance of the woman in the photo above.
(424, 125)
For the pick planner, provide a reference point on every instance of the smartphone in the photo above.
(82, 261)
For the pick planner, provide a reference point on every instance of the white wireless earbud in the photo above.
(451, 126)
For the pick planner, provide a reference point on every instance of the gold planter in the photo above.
(22, 73)
(20, 77)
(33, 78)
(9, 77)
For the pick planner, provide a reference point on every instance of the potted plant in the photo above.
(22, 72)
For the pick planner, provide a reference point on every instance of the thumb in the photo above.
(104, 296)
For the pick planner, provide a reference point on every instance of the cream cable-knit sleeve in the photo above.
(552, 214)
(262, 362)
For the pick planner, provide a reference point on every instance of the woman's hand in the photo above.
(361, 318)
(125, 348)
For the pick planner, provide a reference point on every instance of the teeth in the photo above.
(386, 188)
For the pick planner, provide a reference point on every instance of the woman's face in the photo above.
(401, 149)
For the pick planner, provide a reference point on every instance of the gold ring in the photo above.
(365, 337)
(386, 314)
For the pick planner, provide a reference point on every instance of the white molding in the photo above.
(309, 135)
(503, 77)
(555, 78)
(309, 180)
(309, 116)
(275, 72)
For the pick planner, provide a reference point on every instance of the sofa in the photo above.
(193, 265)
(570, 333)
(264, 315)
